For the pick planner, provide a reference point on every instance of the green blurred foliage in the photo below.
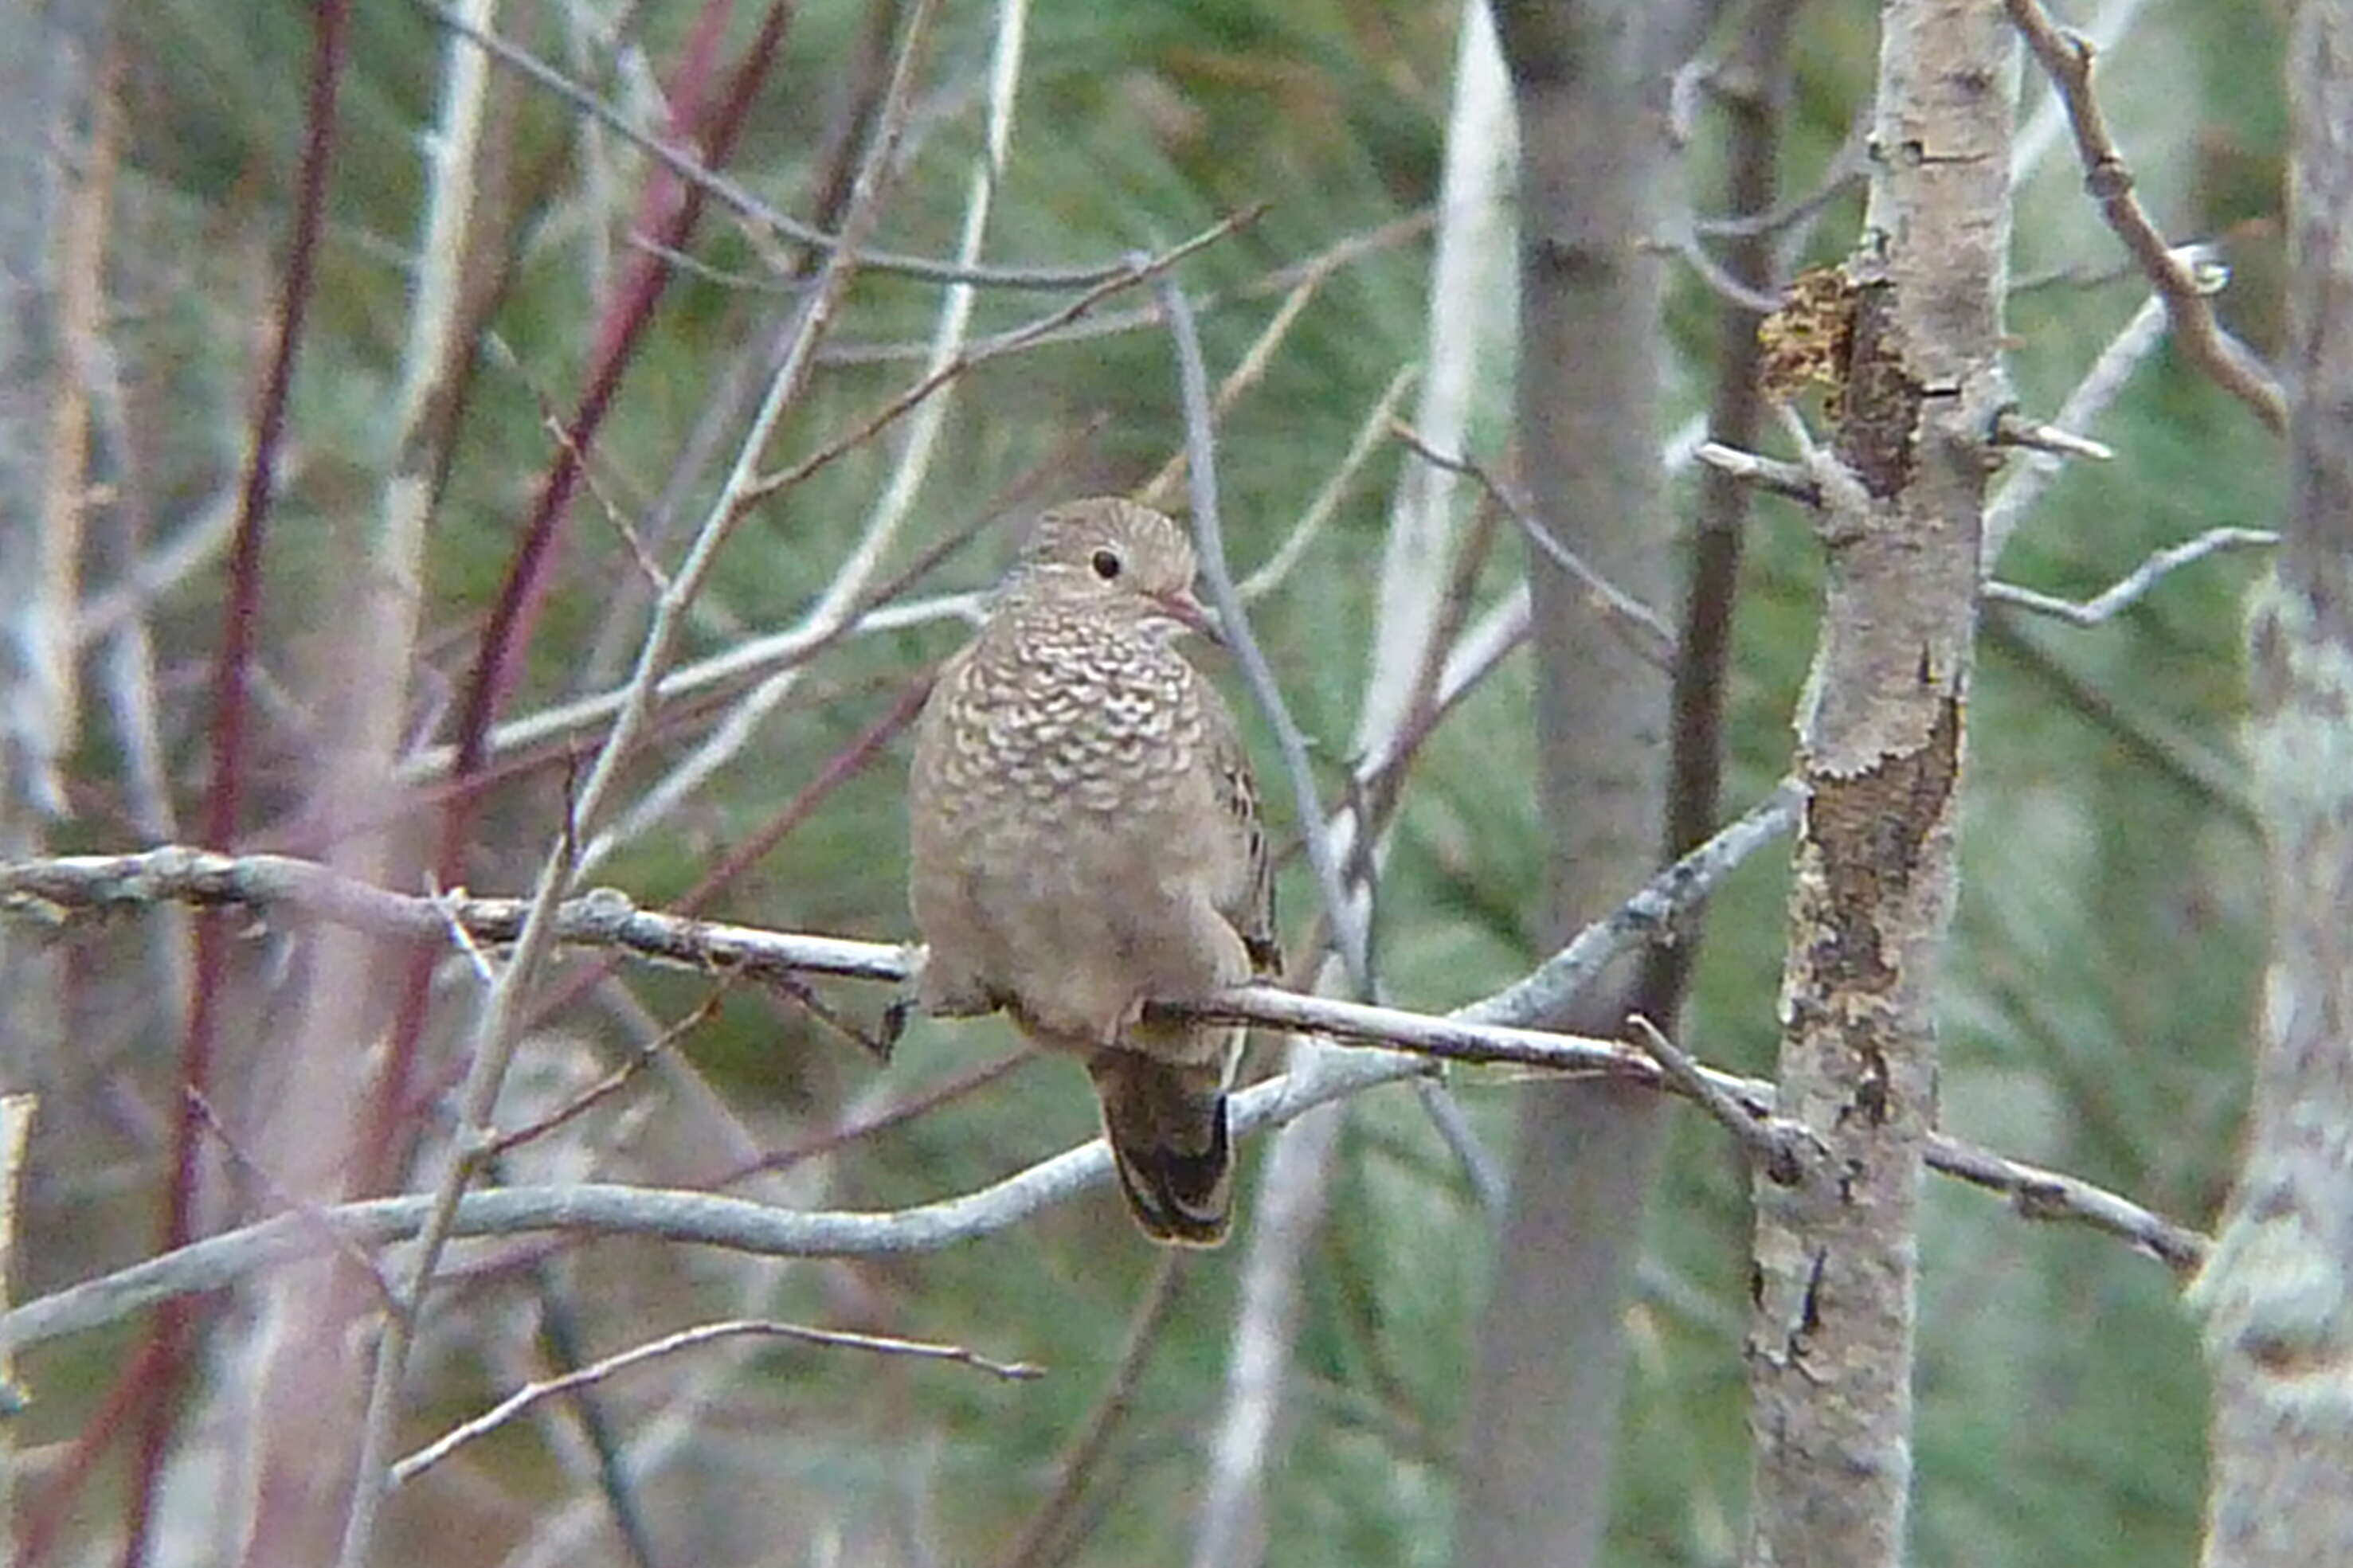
(2103, 967)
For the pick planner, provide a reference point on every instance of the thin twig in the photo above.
(735, 197)
(2067, 58)
(1649, 916)
(186, 556)
(1770, 1141)
(2082, 409)
(2013, 430)
(1248, 372)
(496, 1031)
(1684, 244)
(883, 608)
(896, 1114)
(1041, 1539)
(1846, 170)
(563, 1344)
(286, 1200)
(1271, 572)
(1791, 479)
(844, 596)
(524, 1398)
(2175, 754)
(2134, 586)
(1482, 649)
(1644, 630)
(612, 1083)
(1351, 940)
(15, 1132)
(1138, 269)
(1490, 1187)
(1346, 252)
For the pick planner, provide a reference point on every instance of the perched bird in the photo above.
(1085, 838)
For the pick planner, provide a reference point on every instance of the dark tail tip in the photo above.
(1169, 1145)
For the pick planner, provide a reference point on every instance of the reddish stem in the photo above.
(159, 1367)
(515, 613)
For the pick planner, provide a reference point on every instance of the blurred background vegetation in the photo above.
(2105, 962)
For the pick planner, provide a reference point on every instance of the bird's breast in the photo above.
(1049, 726)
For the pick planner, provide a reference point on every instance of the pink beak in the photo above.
(1183, 604)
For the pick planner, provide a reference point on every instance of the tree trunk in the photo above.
(2277, 1296)
(1546, 1390)
(1830, 1346)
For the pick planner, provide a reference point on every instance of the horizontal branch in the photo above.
(700, 1334)
(1490, 1031)
(59, 888)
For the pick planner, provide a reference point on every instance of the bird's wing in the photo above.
(1252, 912)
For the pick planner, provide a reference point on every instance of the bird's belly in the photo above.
(1080, 930)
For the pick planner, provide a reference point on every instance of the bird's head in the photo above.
(1116, 558)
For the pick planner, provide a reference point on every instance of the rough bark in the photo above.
(1830, 1345)
(2277, 1295)
(1545, 1391)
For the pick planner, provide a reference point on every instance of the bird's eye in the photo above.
(1106, 563)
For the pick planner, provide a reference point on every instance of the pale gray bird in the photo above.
(1085, 838)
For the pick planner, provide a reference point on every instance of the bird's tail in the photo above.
(1167, 1124)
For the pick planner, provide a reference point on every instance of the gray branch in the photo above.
(1484, 1032)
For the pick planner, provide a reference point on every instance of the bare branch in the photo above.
(1790, 479)
(524, 1398)
(1648, 917)
(1277, 566)
(497, 1029)
(2040, 131)
(1770, 1142)
(1480, 1032)
(284, 1198)
(1138, 269)
(2130, 589)
(2067, 58)
(1682, 242)
(1039, 1538)
(1843, 172)
(1645, 631)
(737, 1225)
(1348, 927)
(1346, 252)
(1248, 372)
(2168, 748)
(738, 199)
(845, 595)
(612, 1083)
(2100, 386)
(2013, 430)
(189, 552)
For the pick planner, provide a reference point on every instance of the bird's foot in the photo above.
(938, 990)
(891, 1026)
